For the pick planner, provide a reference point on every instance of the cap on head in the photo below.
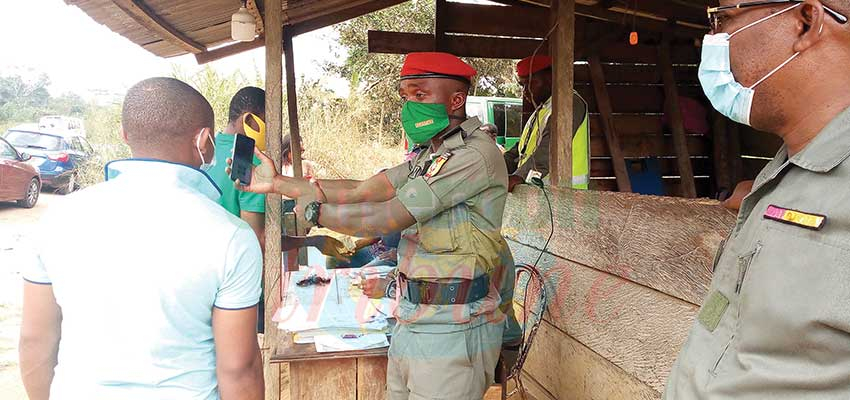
(436, 65)
(533, 64)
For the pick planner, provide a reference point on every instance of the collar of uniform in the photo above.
(455, 140)
(829, 148)
(471, 124)
(163, 171)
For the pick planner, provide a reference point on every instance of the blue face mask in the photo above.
(205, 166)
(727, 95)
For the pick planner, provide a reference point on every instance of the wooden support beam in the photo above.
(671, 10)
(292, 105)
(272, 271)
(298, 29)
(469, 46)
(440, 16)
(671, 108)
(604, 104)
(641, 21)
(562, 49)
(735, 152)
(722, 163)
(146, 17)
(229, 50)
(292, 256)
(517, 21)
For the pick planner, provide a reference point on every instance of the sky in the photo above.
(81, 56)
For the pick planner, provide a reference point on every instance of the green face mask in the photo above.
(422, 121)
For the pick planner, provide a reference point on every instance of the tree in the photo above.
(216, 88)
(375, 76)
(22, 100)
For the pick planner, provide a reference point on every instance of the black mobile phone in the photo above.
(243, 159)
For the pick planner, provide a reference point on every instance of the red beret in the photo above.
(533, 64)
(436, 65)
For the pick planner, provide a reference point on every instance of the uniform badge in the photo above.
(794, 217)
(437, 165)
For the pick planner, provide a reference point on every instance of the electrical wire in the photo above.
(533, 274)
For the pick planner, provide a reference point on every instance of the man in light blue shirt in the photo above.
(155, 292)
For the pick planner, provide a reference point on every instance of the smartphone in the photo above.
(243, 159)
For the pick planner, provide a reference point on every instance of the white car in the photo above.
(62, 125)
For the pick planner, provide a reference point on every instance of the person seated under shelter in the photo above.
(531, 153)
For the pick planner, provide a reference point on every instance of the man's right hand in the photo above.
(514, 180)
(375, 288)
(330, 247)
(262, 176)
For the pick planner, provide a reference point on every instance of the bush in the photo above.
(103, 130)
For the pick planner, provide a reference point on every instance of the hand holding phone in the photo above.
(243, 159)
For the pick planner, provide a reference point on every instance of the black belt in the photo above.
(463, 292)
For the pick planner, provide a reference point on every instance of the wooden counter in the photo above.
(349, 375)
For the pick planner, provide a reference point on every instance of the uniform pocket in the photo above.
(437, 235)
(714, 369)
(744, 263)
(718, 253)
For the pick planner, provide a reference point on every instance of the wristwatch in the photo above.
(311, 213)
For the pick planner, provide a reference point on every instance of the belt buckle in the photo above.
(404, 288)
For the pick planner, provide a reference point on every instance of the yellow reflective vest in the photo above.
(531, 136)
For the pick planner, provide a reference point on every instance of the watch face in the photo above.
(311, 212)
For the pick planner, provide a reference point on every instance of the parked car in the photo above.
(19, 181)
(57, 158)
(62, 125)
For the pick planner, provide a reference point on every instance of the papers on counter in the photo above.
(325, 314)
(329, 343)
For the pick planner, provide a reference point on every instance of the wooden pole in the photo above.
(293, 256)
(737, 163)
(722, 163)
(604, 104)
(292, 105)
(272, 271)
(440, 25)
(562, 45)
(671, 107)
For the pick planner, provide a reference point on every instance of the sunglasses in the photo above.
(714, 22)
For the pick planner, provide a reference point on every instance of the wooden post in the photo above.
(671, 107)
(562, 45)
(604, 104)
(440, 25)
(292, 105)
(292, 256)
(722, 162)
(735, 152)
(272, 271)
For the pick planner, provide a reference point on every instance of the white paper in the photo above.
(330, 343)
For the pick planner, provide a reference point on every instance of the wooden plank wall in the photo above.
(633, 79)
(625, 274)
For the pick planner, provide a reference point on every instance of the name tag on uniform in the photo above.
(794, 217)
(437, 165)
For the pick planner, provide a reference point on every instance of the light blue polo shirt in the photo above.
(137, 264)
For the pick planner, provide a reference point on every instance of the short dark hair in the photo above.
(158, 110)
(248, 99)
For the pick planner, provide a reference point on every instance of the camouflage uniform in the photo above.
(450, 351)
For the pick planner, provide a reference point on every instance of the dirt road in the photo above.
(17, 226)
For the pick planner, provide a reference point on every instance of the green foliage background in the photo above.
(349, 137)
(374, 77)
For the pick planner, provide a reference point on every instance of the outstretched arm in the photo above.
(266, 179)
(366, 219)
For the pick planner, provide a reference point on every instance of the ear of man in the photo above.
(810, 21)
